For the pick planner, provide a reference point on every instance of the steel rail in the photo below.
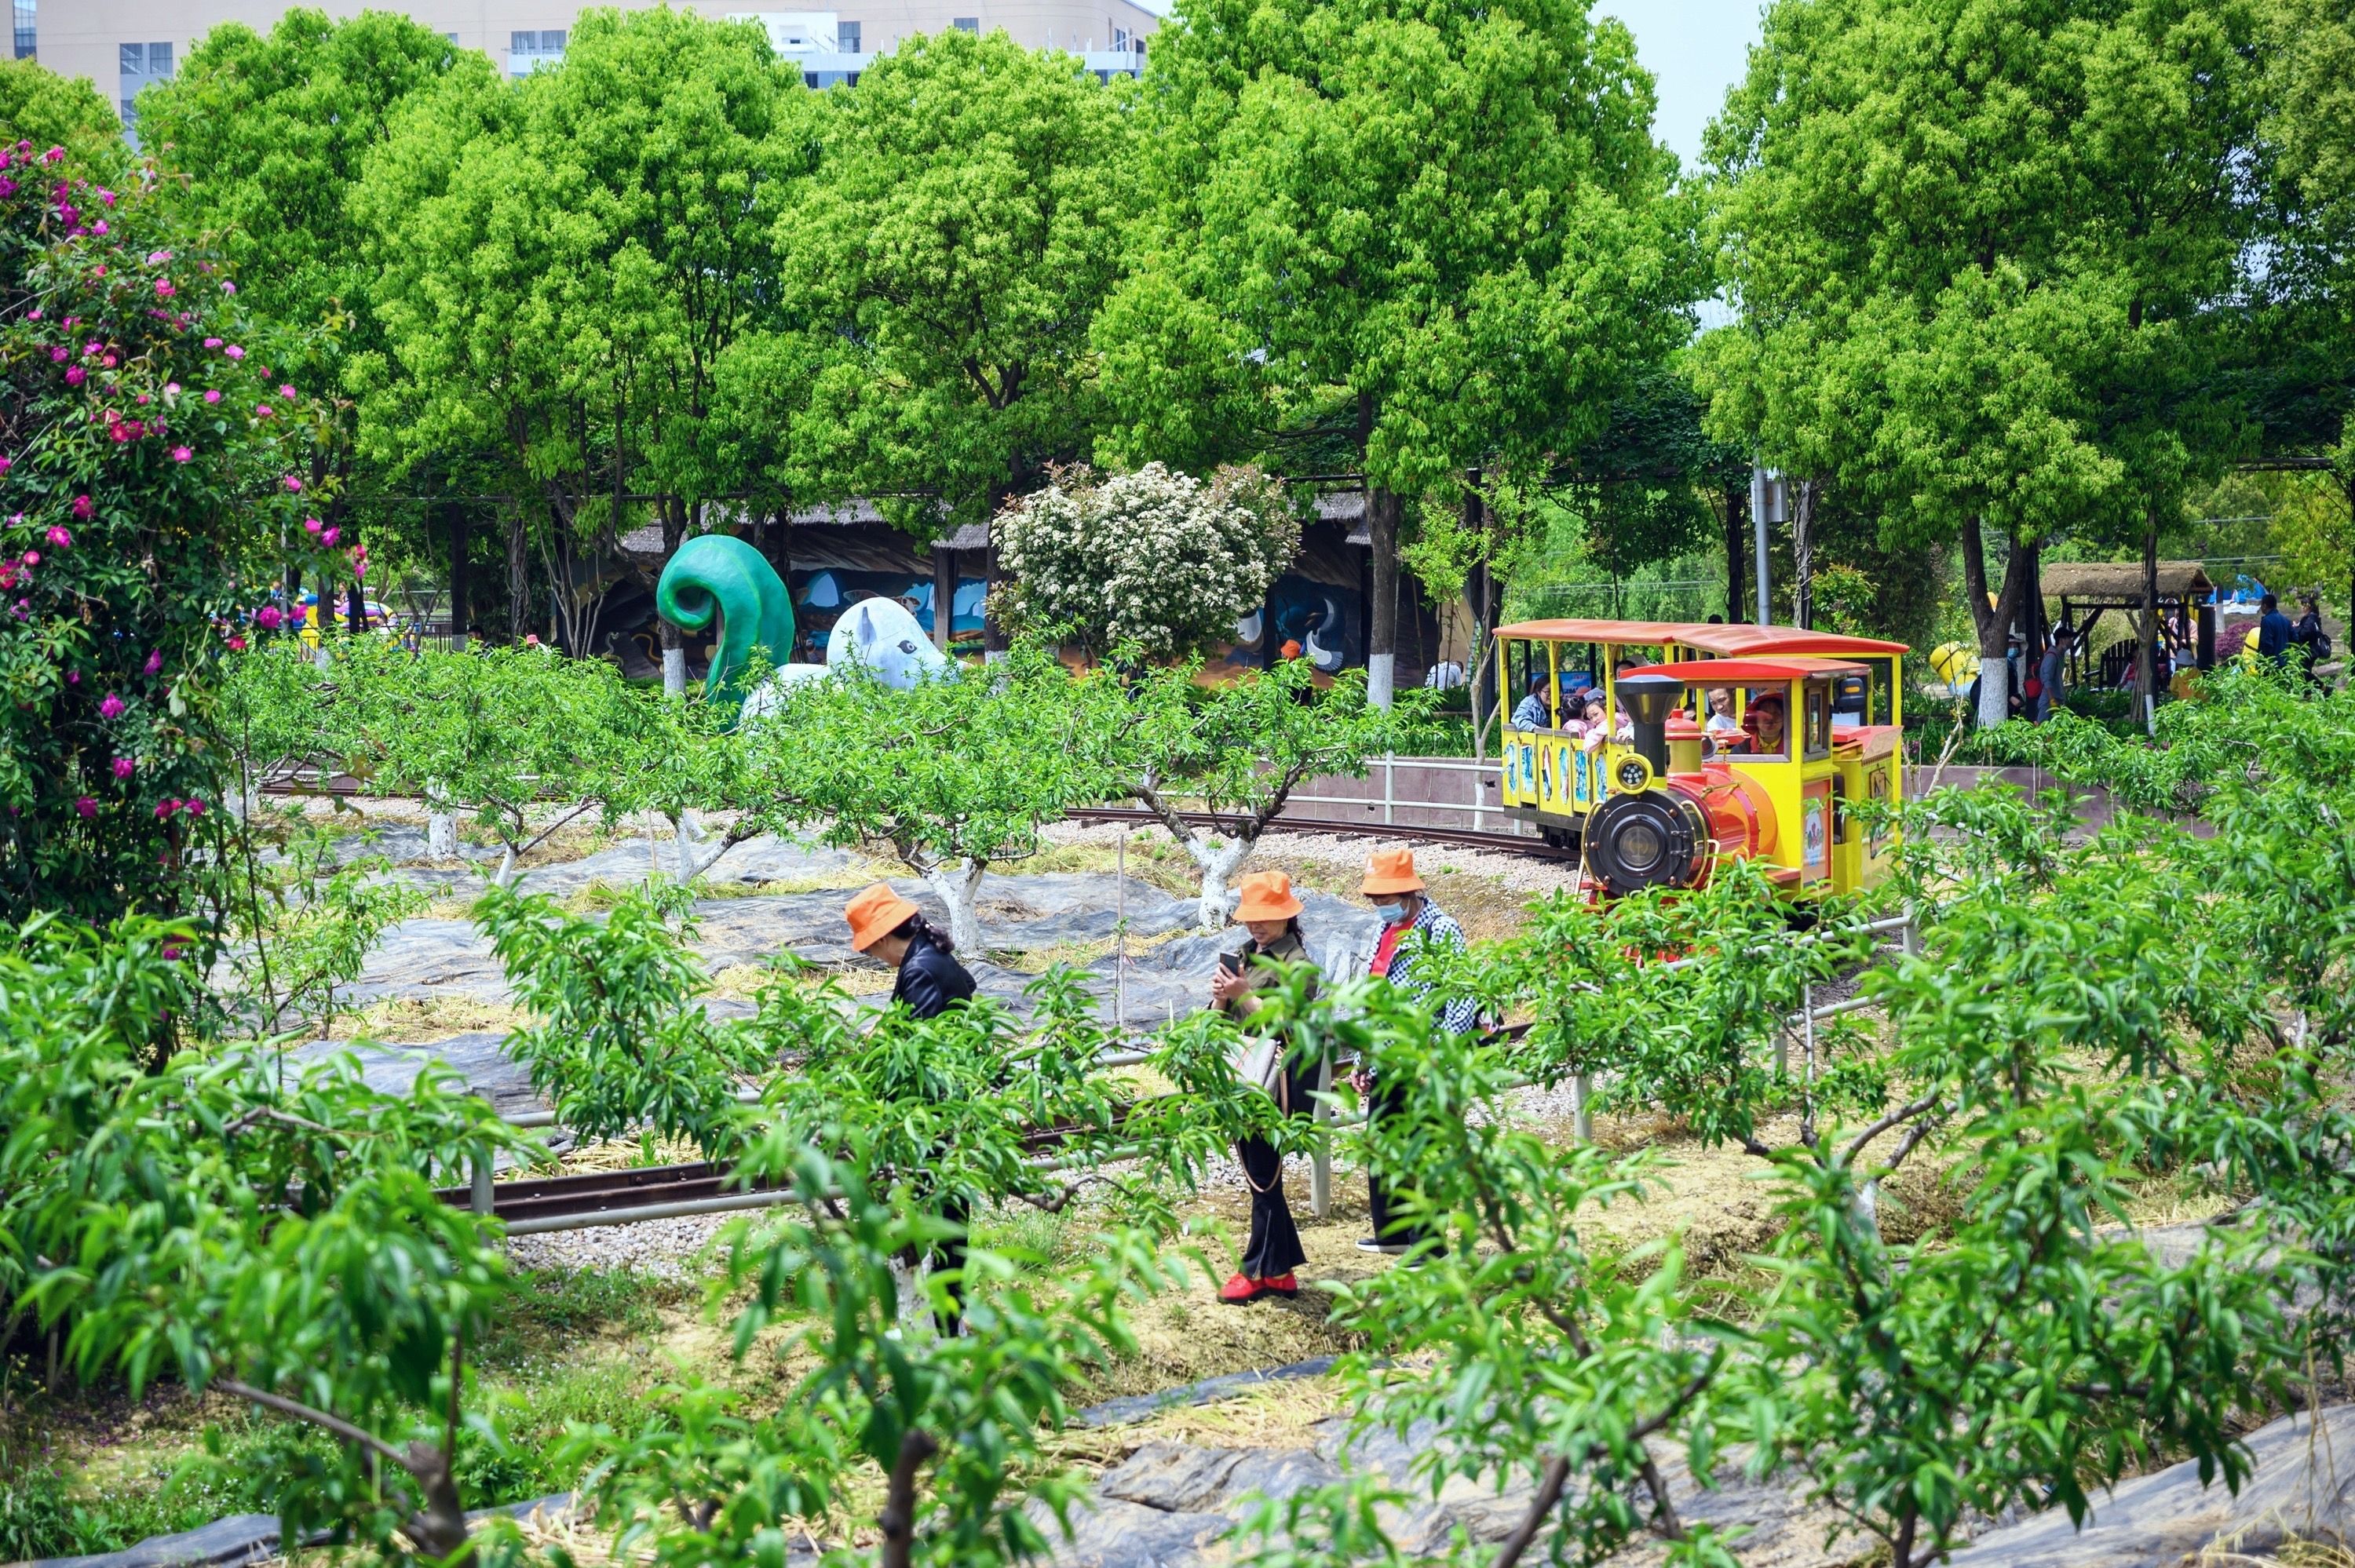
(1462, 838)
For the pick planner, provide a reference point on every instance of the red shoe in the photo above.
(1240, 1292)
(1282, 1284)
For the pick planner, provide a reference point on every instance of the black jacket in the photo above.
(930, 978)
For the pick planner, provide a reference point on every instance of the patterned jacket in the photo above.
(1435, 926)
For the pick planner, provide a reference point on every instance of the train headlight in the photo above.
(1631, 773)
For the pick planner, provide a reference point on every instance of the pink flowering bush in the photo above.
(135, 526)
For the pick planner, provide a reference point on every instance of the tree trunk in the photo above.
(461, 608)
(1803, 553)
(1994, 621)
(944, 578)
(1737, 545)
(2147, 649)
(1382, 508)
(674, 643)
(958, 882)
(518, 579)
(438, 1529)
(440, 823)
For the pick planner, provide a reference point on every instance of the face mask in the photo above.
(1391, 913)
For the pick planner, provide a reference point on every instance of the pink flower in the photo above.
(143, 399)
(59, 355)
(60, 537)
(155, 661)
(193, 806)
(236, 643)
(329, 536)
(111, 708)
(76, 376)
(73, 677)
(181, 454)
(293, 485)
(99, 227)
(164, 290)
(6, 463)
(106, 195)
(171, 389)
(123, 767)
(268, 617)
(261, 410)
(32, 557)
(164, 810)
(229, 288)
(87, 806)
(82, 507)
(54, 155)
(109, 362)
(311, 524)
(212, 396)
(232, 350)
(286, 391)
(212, 343)
(155, 257)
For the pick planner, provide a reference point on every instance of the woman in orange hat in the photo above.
(1412, 925)
(1268, 909)
(886, 926)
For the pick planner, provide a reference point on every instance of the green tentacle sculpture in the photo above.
(717, 573)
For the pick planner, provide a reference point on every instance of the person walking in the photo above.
(887, 928)
(2050, 669)
(2273, 631)
(1268, 909)
(1412, 927)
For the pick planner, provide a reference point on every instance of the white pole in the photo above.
(1120, 933)
(1761, 487)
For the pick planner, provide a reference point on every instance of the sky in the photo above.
(1695, 49)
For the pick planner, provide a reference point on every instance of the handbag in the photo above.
(1257, 1059)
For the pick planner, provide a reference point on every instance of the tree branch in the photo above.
(1904, 1112)
(296, 1410)
(899, 1515)
(1550, 1485)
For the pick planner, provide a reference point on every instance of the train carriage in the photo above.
(1690, 739)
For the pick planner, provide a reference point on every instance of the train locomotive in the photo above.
(1665, 769)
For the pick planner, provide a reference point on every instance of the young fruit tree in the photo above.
(1156, 559)
(1215, 764)
(951, 776)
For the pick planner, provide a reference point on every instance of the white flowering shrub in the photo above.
(1153, 557)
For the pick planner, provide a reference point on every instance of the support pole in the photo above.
(483, 1199)
(1320, 1164)
(1581, 1118)
(1761, 485)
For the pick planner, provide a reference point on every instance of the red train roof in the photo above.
(1741, 641)
(1708, 637)
(1742, 672)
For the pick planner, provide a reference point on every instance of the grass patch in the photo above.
(420, 1020)
(555, 1309)
(1152, 858)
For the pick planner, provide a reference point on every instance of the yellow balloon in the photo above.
(1953, 660)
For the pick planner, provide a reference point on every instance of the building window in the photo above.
(527, 49)
(846, 37)
(967, 23)
(137, 66)
(1120, 40)
(28, 30)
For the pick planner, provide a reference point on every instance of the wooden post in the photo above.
(1320, 1164)
(944, 582)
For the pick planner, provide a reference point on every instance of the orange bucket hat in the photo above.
(1390, 870)
(874, 914)
(1267, 896)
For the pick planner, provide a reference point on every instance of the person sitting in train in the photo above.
(1765, 726)
(1533, 713)
(1597, 727)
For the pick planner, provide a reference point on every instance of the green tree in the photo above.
(1436, 235)
(962, 230)
(40, 106)
(1974, 248)
(568, 260)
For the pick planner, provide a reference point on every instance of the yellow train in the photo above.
(1660, 748)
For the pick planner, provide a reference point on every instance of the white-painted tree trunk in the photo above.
(696, 854)
(440, 824)
(1379, 679)
(916, 1325)
(958, 882)
(321, 656)
(674, 672)
(1217, 863)
(505, 877)
(1994, 690)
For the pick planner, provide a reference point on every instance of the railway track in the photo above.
(1462, 838)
